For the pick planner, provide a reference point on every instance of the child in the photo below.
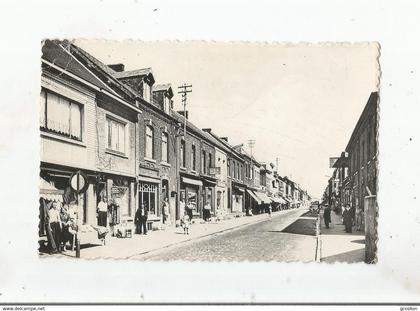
(185, 222)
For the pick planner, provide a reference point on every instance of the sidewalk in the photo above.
(118, 248)
(339, 246)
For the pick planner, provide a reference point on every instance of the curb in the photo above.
(166, 247)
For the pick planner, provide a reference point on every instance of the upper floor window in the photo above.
(193, 157)
(182, 153)
(60, 115)
(228, 167)
(203, 162)
(165, 149)
(115, 135)
(149, 142)
(210, 163)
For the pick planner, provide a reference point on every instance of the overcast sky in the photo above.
(299, 102)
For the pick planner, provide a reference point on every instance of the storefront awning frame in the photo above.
(191, 181)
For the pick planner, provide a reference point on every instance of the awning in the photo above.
(240, 189)
(263, 197)
(191, 181)
(209, 181)
(277, 200)
(49, 192)
(287, 200)
(252, 194)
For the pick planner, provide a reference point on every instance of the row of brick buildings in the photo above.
(355, 170)
(119, 127)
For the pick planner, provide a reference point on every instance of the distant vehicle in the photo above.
(314, 205)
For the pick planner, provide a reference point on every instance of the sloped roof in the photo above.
(55, 53)
(133, 73)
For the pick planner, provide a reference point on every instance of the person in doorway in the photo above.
(327, 216)
(55, 225)
(165, 210)
(347, 219)
(206, 212)
(137, 220)
(102, 212)
(143, 214)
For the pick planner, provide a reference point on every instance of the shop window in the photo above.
(149, 142)
(165, 149)
(60, 115)
(120, 197)
(115, 133)
(148, 196)
(192, 200)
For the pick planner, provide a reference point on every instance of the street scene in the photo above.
(211, 152)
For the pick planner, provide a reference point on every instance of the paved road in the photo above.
(260, 241)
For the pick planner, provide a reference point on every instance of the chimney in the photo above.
(225, 139)
(208, 130)
(182, 113)
(117, 67)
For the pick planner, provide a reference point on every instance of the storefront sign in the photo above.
(79, 182)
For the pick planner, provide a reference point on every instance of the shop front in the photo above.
(208, 197)
(189, 197)
(238, 193)
(119, 195)
(148, 194)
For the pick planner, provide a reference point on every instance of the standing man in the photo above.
(165, 210)
(347, 219)
(55, 225)
(206, 213)
(102, 212)
(327, 216)
(143, 218)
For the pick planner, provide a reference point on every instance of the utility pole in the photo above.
(183, 90)
(251, 144)
(277, 165)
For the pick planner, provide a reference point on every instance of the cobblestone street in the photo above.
(262, 241)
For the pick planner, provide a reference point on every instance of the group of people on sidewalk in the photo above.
(60, 225)
(349, 217)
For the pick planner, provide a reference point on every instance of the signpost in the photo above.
(79, 183)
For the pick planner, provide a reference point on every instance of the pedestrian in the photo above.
(137, 220)
(66, 236)
(55, 225)
(327, 216)
(185, 222)
(347, 219)
(269, 210)
(144, 212)
(206, 211)
(359, 218)
(353, 215)
(165, 208)
(102, 212)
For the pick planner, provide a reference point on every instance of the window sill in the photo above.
(116, 153)
(182, 168)
(149, 160)
(193, 172)
(165, 164)
(63, 139)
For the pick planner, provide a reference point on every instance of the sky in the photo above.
(300, 102)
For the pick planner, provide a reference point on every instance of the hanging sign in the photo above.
(79, 182)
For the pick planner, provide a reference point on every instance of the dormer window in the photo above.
(146, 91)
